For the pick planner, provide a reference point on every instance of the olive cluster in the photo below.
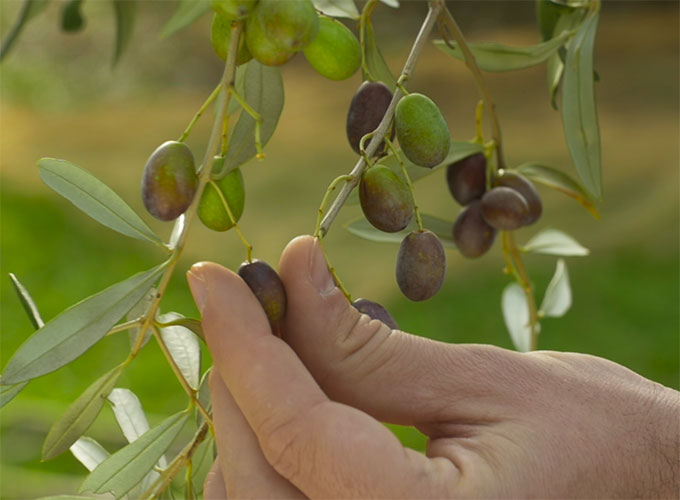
(386, 198)
(511, 202)
(275, 30)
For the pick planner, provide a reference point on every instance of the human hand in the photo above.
(299, 416)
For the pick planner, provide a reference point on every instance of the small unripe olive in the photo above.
(169, 181)
(220, 33)
(266, 285)
(334, 52)
(211, 209)
(471, 233)
(375, 311)
(524, 187)
(366, 111)
(385, 199)
(288, 24)
(233, 10)
(421, 265)
(504, 208)
(421, 130)
(261, 47)
(466, 178)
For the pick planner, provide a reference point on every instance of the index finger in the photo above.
(324, 448)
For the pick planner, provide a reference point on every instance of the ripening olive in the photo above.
(220, 33)
(288, 24)
(366, 111)
(211, 209)
(334, 52)
(524, 187)
(169, 181)
(466, 178)
(504, 208)
(261, 47)
(375, 311)
(421, 265)
(385, 199)
(266, 285)
(421, 130)
(233, 10)
(471, 233)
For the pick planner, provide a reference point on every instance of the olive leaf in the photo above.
(337, 8)
(125, 12)
(375, 67)
(579, 111)
(29, 10)
(8, 392)
(187, 12)
(128, 466)
(76, 329)
(183, 347)
(79, 415)
(71, 18)
(89, 452)
(554, 242)
(559, 181)
(391, 3)
(363, 229)
(94, 198)
(203, 396)
(516, 316)
(263, 91)
(557, 299)
(495, 57)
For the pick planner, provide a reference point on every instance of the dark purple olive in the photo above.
(421, 265)
(366, 111)
(471, 233)
(504, 208)
(524, 187)
(267, 287)
(466, 178)
(375, 311)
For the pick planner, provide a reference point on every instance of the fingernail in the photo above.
(198, 285)
(319, 275)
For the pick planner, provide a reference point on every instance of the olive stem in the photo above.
(416, 209)
(510, 248)
(324, 201)
(178, 373)
(199, 113)
(471, 63)
(232, 219)
(479, 112)
(177, 463)
(435, 8)
(255, 116)
(124, 326)
(331, 270)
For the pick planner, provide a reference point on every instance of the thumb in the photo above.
(390, 374)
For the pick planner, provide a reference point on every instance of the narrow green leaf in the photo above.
(183, 347)
(203, 396)
(89, 452)
(457, 151)
(516, 316)
(557, 299)
(71, 18)
(138, 310)
(125, 13)
(67, 497)
(78, 417)
(363, 229)
(177, 230)
(555, 70)
(558, 181)
(128, 466)
(554, 242)
(375, 62)
(568, 20)
(76, 329)
(579, 111)
(192, 324)
(94, 198)
(496, 57)
(337, 8)
(263, 89)
(187, 12)
(27, 302)
(547, 15)
(8, 392)
(29, 10)
(202, 461)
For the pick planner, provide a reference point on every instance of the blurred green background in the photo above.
(60, 97)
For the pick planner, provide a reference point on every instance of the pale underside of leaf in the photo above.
(94, 198)
(89, 452)
(78, 417)
(183, 347)
(27, 302)
(516, 316)
(128, 466)
(76, 329)
(557, 299)
(554, 242)
(338, 8)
